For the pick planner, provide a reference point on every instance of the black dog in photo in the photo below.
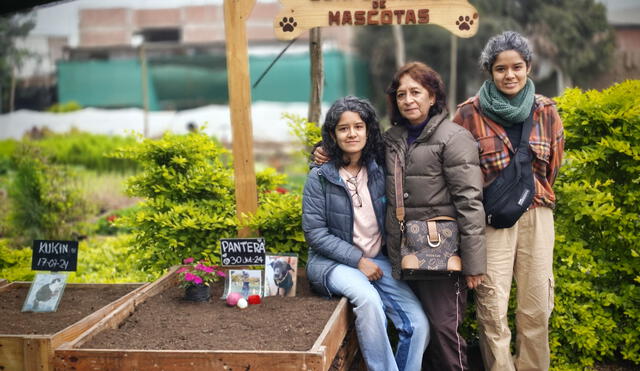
(47, 292)
(282, 276)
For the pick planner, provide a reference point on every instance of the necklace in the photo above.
(352, 187)
(357, 172)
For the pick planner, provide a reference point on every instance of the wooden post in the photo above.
(317, 75)
(236, 13)
(398, 39)
(145, 91)
(453, 74)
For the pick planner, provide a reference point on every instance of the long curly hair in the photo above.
(428, 78)
(373, 149)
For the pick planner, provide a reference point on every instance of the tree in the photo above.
(12, 27)
(572, 36)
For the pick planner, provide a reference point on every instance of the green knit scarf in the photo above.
(503, 110)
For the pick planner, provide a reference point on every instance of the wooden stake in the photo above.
(317, 75)
(236, 13)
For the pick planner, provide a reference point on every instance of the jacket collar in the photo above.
(399, 132)
(330, 171)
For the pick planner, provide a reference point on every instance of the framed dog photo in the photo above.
(245, 281)
(45, 292)
(280, 272)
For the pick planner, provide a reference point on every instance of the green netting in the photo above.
(180, 82)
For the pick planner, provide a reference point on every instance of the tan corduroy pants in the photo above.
(523, 252)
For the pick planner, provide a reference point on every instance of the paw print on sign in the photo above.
(465, 23)
(288, 24)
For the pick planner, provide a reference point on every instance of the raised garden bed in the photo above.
(159, 330)
(27, 340)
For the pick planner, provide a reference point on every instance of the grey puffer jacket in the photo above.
(327, 220)
(442, 177)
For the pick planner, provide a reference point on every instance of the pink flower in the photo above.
(221, 274)
(188, 260)
(208, 269)
(183, 269)
(190, 277)
(197, 280)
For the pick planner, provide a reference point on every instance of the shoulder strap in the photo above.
(397, 180)
(526, 131)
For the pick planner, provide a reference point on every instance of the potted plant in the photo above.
(196, 277)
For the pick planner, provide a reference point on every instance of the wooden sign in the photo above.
(242, 251)
(457, 16)
(54, 255)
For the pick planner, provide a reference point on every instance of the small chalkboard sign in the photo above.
(242, 251)
(54, 255)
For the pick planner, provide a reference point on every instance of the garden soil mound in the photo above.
(168, 322)
(76, 303)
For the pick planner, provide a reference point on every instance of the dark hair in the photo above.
(424, 75)
(508, 40)
(373, 149)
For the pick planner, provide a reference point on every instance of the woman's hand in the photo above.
(320, 156)
(370, 269)
(474, 281)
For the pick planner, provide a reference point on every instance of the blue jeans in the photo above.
(371, 300)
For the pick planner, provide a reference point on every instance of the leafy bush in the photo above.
(93, 151)
(597, 265)
(65, 107)
(279, 216)
(188, 196)
(308, 133)
(108, 225)
(44, 203)
(7, 147)
(189, 203)
(15, 264)
(100, 260)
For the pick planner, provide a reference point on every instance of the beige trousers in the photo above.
(523, 252)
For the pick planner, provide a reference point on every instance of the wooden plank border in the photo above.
(27, 352)
(71, 355)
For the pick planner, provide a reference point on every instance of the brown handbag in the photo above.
(429, 248)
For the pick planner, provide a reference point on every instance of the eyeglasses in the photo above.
(352, 186)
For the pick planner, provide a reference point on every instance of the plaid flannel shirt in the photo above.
(546, 142)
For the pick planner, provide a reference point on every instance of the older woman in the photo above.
(495, 117)
(343, 210)
(441, 177)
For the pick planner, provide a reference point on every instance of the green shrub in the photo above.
(92, 151)
(109, 224)
(279, 216)
(188, 197)
(100, 260)
(15, 264)
(65, 107)
(109, 260)
(45, 204)
(308, 133)
(7, 147)
(597, 265)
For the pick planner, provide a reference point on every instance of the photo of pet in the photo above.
(245, 281)
(280, 275)
(45, 292)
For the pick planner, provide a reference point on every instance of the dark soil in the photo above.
(168, 322)
(76, 303)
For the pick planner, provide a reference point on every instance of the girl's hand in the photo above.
(370, 269)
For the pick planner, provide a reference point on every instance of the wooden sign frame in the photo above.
(457, 16)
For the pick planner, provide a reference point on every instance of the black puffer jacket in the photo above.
(442, 177)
